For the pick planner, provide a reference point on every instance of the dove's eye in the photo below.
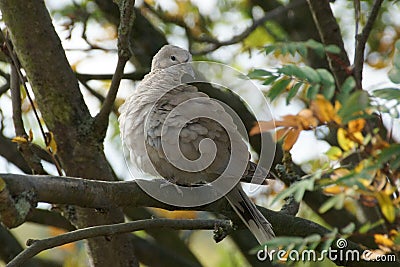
(173, 58)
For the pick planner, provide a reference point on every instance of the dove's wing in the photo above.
(181, 121)
(168, 120)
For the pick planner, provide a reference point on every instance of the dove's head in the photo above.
(170, 55)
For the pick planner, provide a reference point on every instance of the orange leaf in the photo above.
(262, 126)
(356, 125)
(383, 240)
(281, 133)
(307, 119)
(291, 139)
(323, 109)
(288, 121)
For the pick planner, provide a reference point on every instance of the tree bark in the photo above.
(64, 111)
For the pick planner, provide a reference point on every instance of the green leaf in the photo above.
(297, 189)
(328, 91)
(293, 92)
(269, 49)
(270, 80)
(312, 91)
(302, 49)
(394, 76)
(349, 229)
(335, 201)
(368, 226)
(277, 88)
(326, 76)
(311, 74)
(388, 93)
(357, 101)
(292, 70)
(334, 49)
(328, 83)
(317, 47)
(389, 153)
(292, 48)
(348, 85)
(334, 153)
(257, 73)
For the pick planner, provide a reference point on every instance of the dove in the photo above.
(174, 131)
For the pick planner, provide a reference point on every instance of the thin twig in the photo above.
(361, 40)
(24, 147)
(17, 66)
(135, 76)
(124, 54)
(37, 246)
(16, 63)
(214, 43)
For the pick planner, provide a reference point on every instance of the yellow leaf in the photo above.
(383, 240)
(322, 109)
(357, 137)
(334, 190)
(356, 125)
(344, 141)
(2, 184)
(20, 139)
(338, 173)
(177, 214)
(386, 205)
(334, 153)
(51, 144)
(30, 135)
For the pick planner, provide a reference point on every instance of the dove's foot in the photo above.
(167, 183)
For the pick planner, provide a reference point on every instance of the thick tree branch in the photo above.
(64, 111)
(330, 35)
(37, 246)
(108, 195)
(361, 40)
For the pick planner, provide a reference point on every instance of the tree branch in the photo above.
(25, 147)
(10, 248)
(108, 195)
(134, 76)
(214, 43)
(37, 246)
(66, 115)
(329, 32)
(361, 40)
(127, 14)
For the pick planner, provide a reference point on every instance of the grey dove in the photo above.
(155, 123)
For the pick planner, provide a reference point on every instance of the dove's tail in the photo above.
(250, 215)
